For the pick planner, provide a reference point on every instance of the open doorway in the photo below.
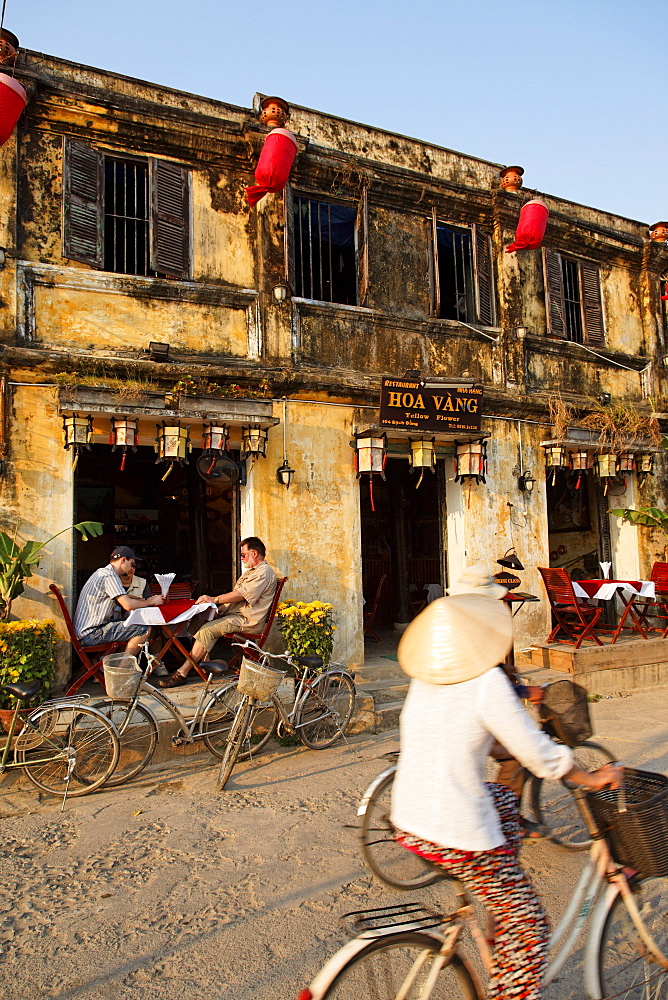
(403, 539)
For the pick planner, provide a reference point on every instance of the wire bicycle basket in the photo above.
(257, 681)
(564, 713)
(634, 820)
(122, 675)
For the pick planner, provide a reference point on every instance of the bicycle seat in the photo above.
(311, 661)
(215, 667)
(23, 691)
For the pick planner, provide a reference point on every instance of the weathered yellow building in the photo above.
(125, 226)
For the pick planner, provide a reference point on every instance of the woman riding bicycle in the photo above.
(459, 702)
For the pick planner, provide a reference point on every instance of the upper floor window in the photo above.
(462, 287)
(125, 215)
(327, 251)
(573, 299)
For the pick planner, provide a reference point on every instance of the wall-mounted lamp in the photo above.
(525, 482)
(281, 292)
(284, 473)
(520, 332)
(3, 258)
(158, 351)
(254, 442)
(604, 399)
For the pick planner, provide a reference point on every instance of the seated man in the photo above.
(102, 594)
(244, 609)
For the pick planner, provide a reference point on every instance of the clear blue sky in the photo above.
(574, 90)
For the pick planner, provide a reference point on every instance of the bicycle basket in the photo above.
(638, 836)
(121, 675)
(564, 713)
(257, 681)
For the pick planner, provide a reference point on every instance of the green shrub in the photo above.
(27, 653)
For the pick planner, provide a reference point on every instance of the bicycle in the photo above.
(411, 952)
(137, 725)
(322, 706)
(60, 742)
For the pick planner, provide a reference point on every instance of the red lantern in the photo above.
(531, 226)
(13, 100)
(274, 166)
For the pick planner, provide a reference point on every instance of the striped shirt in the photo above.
(97, 600)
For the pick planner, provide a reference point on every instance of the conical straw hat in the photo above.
(456, 638)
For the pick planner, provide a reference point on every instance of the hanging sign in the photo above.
(412, 405)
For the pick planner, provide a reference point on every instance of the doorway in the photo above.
(182, 525)
(578, 526)
(402, 538)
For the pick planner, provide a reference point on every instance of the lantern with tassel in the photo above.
(555, 458)
(124, 434)
(422, 456)
(78, 433)
(371, 457)
(471, 461)
(215, 441)
(172, 445)
(606, 468)
(645, 465)
(580, 462)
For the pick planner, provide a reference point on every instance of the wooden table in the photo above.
(626, 590)
(169, 618)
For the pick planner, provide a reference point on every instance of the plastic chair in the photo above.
(370, 616)
(92, 667)
(570, 615)
(257, 637)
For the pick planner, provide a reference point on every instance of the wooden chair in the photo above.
(576, 620)
(258, 637)
(657, 607)
(369, 616)
(90, 656)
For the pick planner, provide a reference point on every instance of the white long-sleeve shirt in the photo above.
(439, 791)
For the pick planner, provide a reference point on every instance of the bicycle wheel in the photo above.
(235, 740)
(137, 734)
(626, 969)
(554, 806)
(398, 967)
(325, 710)
(218, 717)
(79, 747)
(392, 863)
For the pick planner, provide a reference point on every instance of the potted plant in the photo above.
(307, 628)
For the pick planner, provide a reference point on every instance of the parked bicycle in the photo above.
(551, 802)
(64, 746)
(127, 684)
(411, 952)
(322, 706)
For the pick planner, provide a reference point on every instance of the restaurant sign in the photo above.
(416, 405)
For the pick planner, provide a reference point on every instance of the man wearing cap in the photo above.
(102, 594)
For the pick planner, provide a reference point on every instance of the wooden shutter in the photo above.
(362, 240)
(170, 218)
(592, 307)
(434, 273)
(83, 212)
(289, 236)
(554, 294)
(484, 275)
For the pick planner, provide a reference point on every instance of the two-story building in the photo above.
(141, 293)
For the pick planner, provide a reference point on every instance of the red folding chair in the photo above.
(257, 637)
(370, 616)
(644, 605)
(574, 619)
(90, 656)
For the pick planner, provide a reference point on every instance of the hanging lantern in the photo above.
(555, 458)
(371, 457)
(645, 465)
(471, 461)
(530, 227)
(172, 445)
(278, 153)
(626, 462)
(606, 468)
(13, 97)
(580, 462)
(124, 434)
(78, 434)
(422, 456)
(254, 442)
(215, 441)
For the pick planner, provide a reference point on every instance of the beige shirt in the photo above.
(258, 585)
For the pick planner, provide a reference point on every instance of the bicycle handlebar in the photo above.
(249, 644)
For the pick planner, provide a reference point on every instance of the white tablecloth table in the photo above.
(627, 590)
(171, 628)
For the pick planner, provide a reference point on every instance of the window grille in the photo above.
(126, 217)
(325, 254)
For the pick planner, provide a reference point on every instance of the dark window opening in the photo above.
(572, 300)
(455, 274)
(126, 217)
(325, 257)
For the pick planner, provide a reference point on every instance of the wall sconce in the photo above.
(284, 473)
(525, 482)
(158, 352)
(281, 292)
(3, 258)
(520, 332)
(422, 456)
(124, 434)
(509, 560)
(604, 399)
(254, 442)
(78, 433)
(645, 465)
(172, 445)
(371, 457)
(471, 461)
(555, 458)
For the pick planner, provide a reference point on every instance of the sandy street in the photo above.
(167, 890)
